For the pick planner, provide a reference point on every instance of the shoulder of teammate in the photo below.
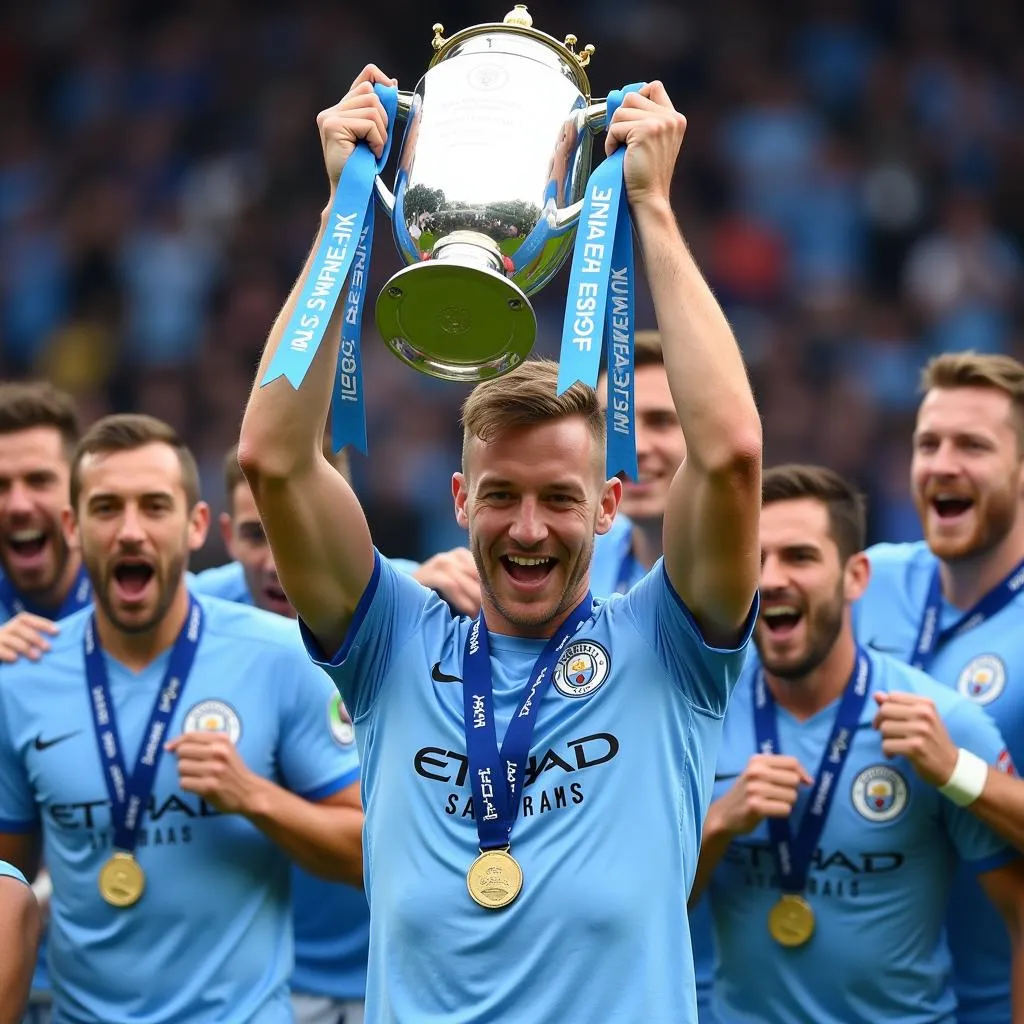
(225, 618)
(609, 550)
(893, 563)
(64, 644)
(224, 581)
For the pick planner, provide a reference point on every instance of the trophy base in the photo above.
(456, 321)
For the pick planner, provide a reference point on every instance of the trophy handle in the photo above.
(384, 194)
(595, 117)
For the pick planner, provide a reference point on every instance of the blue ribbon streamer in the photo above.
(344, 244)
(129, 793)
(602, 265)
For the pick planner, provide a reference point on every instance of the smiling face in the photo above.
(805, 589)
(247, 544)
(34, 475)
(967, 474)
(533, 499)
(135, 529)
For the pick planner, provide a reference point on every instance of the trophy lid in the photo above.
(519, 22)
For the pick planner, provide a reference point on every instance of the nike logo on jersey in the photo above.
(41, 744)
(442, 677)
(883, 648)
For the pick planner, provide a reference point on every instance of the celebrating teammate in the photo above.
(953, 605)
(833, 840)
(150, 750)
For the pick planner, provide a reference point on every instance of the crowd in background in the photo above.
(849, 183)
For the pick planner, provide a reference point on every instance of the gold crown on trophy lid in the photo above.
(518, 19)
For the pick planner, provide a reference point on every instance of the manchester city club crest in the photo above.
(213, 716)
(880, 793)
(983, 679)
(581, 669)
(340, 722)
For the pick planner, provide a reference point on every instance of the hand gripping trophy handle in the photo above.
(488, 190)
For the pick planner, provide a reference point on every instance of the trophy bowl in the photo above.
(488, 190)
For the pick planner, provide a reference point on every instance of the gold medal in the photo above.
(494, 879)
(122, 880)
(791, 921)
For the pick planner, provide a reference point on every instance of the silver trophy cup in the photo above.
(488, 190)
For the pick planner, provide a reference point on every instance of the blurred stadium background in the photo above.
(850, 181)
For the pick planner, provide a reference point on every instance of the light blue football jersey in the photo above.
(616, 788)
(986, 665)
(878, 881)
(228, 581)
(224, 581)
(331, 920)
(79, 596)
(10, 871)
(211, 939)
(614, 570)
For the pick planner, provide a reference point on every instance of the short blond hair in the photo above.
(977, 370)
(525, 397)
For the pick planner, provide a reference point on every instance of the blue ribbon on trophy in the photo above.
(600, 303)
(344, 248)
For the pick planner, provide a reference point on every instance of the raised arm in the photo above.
(21, 926)
(314, 522)
(711, 521)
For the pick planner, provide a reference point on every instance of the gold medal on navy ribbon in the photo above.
(494, 879)
(122, 880)
(791, 921)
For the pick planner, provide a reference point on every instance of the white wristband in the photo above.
(42, 886)
(966, 783)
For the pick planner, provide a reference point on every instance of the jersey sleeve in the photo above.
(705, 674)
(18, 811)
(386, 618)
(969, 727)
(318, 753)
(10, 871)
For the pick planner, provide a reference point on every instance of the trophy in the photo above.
(493, 192)
(488, 191)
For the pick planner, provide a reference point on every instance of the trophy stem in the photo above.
(456, 315)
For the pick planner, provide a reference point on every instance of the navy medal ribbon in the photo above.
(129, 793)
(77, 598)
(497, 776)
(930, 638)
(793, 854)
